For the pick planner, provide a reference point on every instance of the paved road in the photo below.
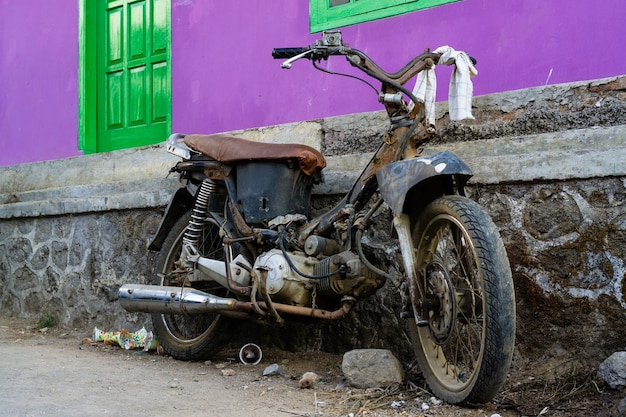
(55, 375)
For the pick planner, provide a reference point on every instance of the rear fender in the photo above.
(192, 172)
(421, 180)
(181, 202)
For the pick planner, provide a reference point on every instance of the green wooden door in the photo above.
(127, 99)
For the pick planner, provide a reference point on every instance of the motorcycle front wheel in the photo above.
(189, 337)
(465, 350)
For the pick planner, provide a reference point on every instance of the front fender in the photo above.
(397, 179)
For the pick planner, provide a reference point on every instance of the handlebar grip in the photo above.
(285, 53)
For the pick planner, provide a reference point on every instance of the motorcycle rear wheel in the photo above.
(189, 337)
(465, 350)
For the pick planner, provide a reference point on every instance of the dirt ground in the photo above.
(56, 372)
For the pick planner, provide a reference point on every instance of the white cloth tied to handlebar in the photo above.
(461, 87)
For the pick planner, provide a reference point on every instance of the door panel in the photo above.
(115, 92)
(137, 91)
(161, 101)
(133, 77)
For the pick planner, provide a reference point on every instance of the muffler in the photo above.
(157, 299)
(171, 300)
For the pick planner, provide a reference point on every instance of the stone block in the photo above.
(613, 370)
(372, 368)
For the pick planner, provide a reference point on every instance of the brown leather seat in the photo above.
(227, 148)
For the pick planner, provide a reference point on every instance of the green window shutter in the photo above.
(330, 14)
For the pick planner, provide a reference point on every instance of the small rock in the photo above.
(308, 380)
(613, 370)
(372, 368)
(228, 372)
(274, 369)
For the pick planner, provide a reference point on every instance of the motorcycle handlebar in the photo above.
(331, 44)
(284, 53)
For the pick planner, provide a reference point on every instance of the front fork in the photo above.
(417, 293)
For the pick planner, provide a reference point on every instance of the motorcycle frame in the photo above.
(405, 181)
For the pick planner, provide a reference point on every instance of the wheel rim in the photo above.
(183, 328)
(453, 341)
(440, 291)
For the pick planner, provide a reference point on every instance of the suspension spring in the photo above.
(194, 230)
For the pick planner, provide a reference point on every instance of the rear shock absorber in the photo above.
(194, 230)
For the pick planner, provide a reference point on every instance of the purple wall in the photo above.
(38, 80)
(224, 77)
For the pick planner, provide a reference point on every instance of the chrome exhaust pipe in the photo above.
(171, 300)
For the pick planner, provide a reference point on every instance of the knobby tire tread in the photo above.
(498, 296)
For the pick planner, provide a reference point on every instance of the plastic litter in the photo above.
(141, 339)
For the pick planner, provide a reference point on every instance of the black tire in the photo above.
(190, 337)
(465, 350)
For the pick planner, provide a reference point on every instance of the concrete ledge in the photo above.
(132, 178)
(126, 179)
(90, 198)
(572, 154)
(137, 178)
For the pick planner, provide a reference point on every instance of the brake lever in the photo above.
(287, 63)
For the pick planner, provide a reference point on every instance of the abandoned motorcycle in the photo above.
(236, 242)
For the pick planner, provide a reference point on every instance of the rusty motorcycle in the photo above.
(236, 242)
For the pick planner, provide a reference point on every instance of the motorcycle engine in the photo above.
(335, 276)
(282, 283)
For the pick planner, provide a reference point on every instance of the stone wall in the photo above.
(566, 245)
(70, 267)
(550, 167)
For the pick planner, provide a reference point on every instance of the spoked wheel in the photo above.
(465, 349)
(189, 337)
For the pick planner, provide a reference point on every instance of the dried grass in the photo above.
(546, 392)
